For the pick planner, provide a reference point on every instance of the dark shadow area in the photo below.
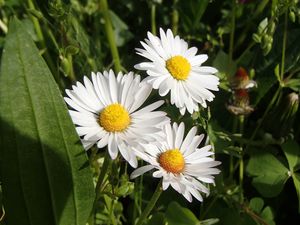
(37, 182)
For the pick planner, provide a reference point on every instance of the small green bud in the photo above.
(65, 65)
(267, 49)
(256, 38)
(264, 41)
(262, 25)
(72, 49)
(36, 13)
(252, 73)
(292, 16)
(271, 28)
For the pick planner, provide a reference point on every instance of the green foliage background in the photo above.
(46, 46)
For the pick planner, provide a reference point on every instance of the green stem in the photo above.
(241, 176)
(41, 39)
(241, 172)
(71, 74)
(245, 32)
(175, 18)
(284, 44)
(153, 16)
(110, 36)
(265, 113)
(202, 216)
(3, 27)
(245, 52)
(231, 161)
(231, 40)
(151, 204)
(100, 180)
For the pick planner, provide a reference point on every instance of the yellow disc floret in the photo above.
(179, 67)
(172, 161)
(114, 118)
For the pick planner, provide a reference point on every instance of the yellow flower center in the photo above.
(179, 67)
(172, 161)
(114, 118)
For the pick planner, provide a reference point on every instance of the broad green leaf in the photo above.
(178, 215)
(296, 179)
(43, 165)
(268, 215)
(269, 174)
(256, 204)
(221, 63)
(292, 152)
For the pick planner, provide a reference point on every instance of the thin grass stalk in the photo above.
(110, 36)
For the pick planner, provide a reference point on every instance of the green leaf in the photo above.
(268, 215)
(256, 204)
(43, 170)
(221, 63)
(178, 215)
(296, 179)
(291, 150)
(269, 174)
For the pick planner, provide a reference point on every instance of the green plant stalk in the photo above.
(232, 30)
(41, 39)
(284, 46)
(263, 117)
(110, 36)
(231, 161)
(202, 216)
(175, 18)
(241, 171)
(100, 180)
(260, 8)
(71, 74)
(153, 16)
(151, 204)
(3, 27)
(111, 213)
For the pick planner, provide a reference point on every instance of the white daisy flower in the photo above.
(176, 67)
(106, 112)
(180, 162)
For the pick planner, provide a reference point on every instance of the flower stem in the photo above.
(241, 169)
(100, 180)
(41, 39)
(110, 36)
(265, 113)
(175, 18)
(231, 39)
(284, 44)
(153, 16)
(151, 204)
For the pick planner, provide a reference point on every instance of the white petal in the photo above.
(112, 146)
(179, 135)
(140, 171)
(103, 141)
(188, 139)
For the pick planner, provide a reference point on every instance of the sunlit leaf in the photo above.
(269, 174)
(296, 179)
(44, 176)
(178, 215)
(292, 152)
